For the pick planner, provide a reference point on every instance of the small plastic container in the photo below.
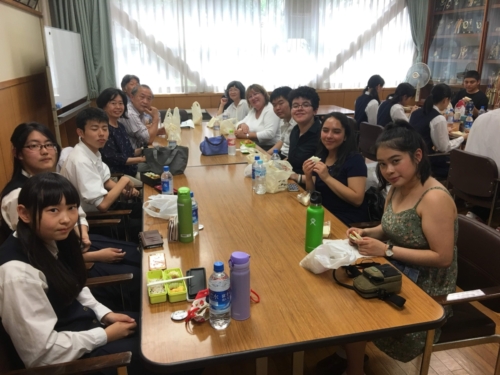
(175, 296)
(156, 297)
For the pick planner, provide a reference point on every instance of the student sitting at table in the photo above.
(420, 226)
(304, 138)
(45, 308)
(472, 80)
(118, 153)
(340, 175)
(260, 124)
(281, 107)
(35, 151)
(366, 106)
(129, 81)
(143, 121)
(233, 104)
(433, 127)
(392, 109)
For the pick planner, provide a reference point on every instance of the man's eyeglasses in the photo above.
(303, 105)
(39, 146)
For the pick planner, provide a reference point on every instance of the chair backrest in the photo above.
(354, 129)
(478, 249)
(368, 134)
(472, 174)
(9, 360)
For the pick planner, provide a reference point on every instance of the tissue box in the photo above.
(156, 297)
(179, 295)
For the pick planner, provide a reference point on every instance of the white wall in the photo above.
(21, 44)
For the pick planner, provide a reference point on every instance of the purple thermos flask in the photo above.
(239, 264)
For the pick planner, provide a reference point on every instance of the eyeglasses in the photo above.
(39, 146)
(305, 105)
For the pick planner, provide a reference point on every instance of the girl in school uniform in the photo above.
(392, 109)
(45, 308)
(234, 104)
(366, 106)
(340, 175)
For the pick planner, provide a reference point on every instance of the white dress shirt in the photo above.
(266, 126)
(398, 113)
(484, 135)
(285, 129)
(371, 110)
(238, 112)
(29, 319)
(440, 136)
(135, 126)
(9, 208)
(87, 173)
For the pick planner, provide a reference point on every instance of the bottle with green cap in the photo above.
(185, 215)
(314, 222)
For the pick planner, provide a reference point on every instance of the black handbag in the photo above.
(176, 159)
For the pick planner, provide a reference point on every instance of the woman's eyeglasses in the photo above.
(39, 146)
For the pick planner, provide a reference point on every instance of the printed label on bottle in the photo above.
(187, 235)
(231, 142)
(165, 186)
(195, 215)
(220, 301)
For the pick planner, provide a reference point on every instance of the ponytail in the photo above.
(373, 82)
(438, 93)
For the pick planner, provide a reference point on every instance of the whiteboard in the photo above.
(67, 69)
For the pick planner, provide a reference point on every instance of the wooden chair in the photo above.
(368, 134)
(11, 364)
(109, 219)
(474, 179)
(478, 258)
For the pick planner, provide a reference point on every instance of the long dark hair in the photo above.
(371, 87)
(239, 86)
(66, 274)
(110, 94)
(402, 137)
(438, 93)
(403, 89)
(347, 147)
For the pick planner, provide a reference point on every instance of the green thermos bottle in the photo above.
(185, 215)
(314, 223)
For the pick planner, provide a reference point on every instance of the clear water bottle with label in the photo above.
(219, 296)
(275, 156)
(231, 143)
(450, 117)
(468, 122)
(216, 128)
(254, 165)
(482, 110)
(167, 181)
(196, 222)
(224, 117)
(260, 178)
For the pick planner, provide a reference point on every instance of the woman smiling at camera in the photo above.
(340, 175)
(261, 124)
(420, 226)
(233, 104)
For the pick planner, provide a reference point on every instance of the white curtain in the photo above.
(181, 46)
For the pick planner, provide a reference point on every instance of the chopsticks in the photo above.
(161, 282)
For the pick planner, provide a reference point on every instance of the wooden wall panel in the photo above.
(21, 100)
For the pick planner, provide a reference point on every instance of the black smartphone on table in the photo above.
(196, 283)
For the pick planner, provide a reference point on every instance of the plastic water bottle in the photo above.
(224, 117)
(468, 122)
(450, 118)
(482, 110)
(216, 128)
(254, 165)
(275, 156)
(469, 106)
(231, 143)
(196, 222)
(219, 296)
(314, 222)
(185, 215)
(239, 264)
(260, 178)
(167, 181)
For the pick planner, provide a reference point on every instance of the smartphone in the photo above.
(196, 283)
(293, 187)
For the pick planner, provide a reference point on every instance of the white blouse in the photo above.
(267, 126)
(238, 112)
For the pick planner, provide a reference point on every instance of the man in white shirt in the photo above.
(281, 107)
(84, 166)
(143, 119)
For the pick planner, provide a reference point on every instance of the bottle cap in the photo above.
(239, 257)
(231, 131)
(192, 194)
(179, 315)
(166, 168)
(257, 158)
(275, 150)
(183, 191)
(218, 266)
(316, 197)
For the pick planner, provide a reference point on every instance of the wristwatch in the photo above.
(388, 252)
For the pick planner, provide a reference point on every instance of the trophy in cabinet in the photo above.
(494, 51)
(467, 26)
(464, 51)
(493, 92)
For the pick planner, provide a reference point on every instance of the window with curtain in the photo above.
(182, 46)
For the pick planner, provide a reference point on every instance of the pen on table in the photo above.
(160, 282)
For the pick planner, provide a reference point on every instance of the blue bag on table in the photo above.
(214, 146)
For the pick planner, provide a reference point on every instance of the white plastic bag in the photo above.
(196, 112)
(277, 174)
(332, 254)
(226, 125)
(162, 206)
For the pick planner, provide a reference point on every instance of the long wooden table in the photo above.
(298, 310)
(326, 109)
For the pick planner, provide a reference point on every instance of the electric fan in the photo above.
(418, 76)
